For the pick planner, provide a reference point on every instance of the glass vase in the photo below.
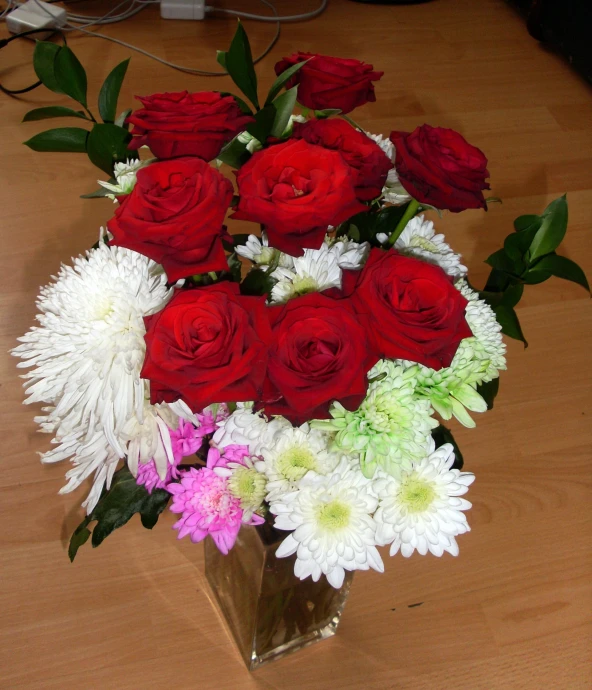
(269, 611)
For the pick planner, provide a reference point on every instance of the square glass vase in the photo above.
(269, 611)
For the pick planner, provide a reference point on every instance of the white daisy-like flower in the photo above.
(452, 391)
(257, 249)
(393, 191)
(86, 356)
(331, 525)
(247, 428)
(419, 239)
(391, 428)
(350, 255)
(292, 453)
(125, 176)
(315, 271)
(421, 510)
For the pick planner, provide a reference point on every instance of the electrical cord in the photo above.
(4, 42)
(289, 18)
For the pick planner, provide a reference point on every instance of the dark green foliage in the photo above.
(442, 435)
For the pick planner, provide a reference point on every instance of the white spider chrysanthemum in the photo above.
(392, 426)
(478, 359)
(331, 525)
(125, 176)
(293, 453)
(393, 191)
(418, 239)
(247, 428)
(422, 509)
(86, 356)
(257, 249)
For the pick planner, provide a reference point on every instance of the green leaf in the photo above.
(488, 391)
(239, 63)
(70, 75)
(328, 112)
(552, 230)
(517, 244)
(501, 261)
(285, 76)
(284, 106)
(234, 154)
(442, 435)
(109, 92)
(52, 111)
(526, 222)
(116, 506)
(221, 58)
(107, 144)
(63, 139)
(43, 64)
(78, 538)
(257, 282)
(508, 320)
(263, 124)
(120, 120)
(560, 267)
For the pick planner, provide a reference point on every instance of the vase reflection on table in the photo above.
(269, 611)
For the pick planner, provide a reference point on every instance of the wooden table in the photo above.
(512, 610)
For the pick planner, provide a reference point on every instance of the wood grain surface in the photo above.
(513, 611)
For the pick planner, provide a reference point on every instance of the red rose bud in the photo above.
(174, 216)
(186, 124)
(330, 82)
(296, 189)
(439, 167)
(369, 164)
(208, 345)
(410, 307)
(319, 353)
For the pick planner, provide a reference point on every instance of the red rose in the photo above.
(369, 162)
(186, 124)
(174, 216)
(319, 353)
(439, 167)
(208, 345)
(410, 306)
(330, 82)
(296, 189)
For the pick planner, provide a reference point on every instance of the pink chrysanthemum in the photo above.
(207, 507)
(148, 475)
(222, 457)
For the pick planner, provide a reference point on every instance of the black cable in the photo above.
(5, 41)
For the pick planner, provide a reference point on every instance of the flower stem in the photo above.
(410, 212)
(351, 122)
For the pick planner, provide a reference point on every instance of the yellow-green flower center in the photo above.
(248, 486)
(303, 286)
(416, 494)
(295, 462)
(334, 515)
(424, 243)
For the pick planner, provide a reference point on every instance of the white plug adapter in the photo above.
(182, 9)
(35, 14)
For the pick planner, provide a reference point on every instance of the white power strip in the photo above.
(182, 9)
(35, 14)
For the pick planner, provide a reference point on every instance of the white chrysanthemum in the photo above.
(422, 509)
(331, 525)
(86, 356)
(125, 176)
(478, 359)
(350, 255)
(246, 484)
(392, 426)
(247, 428)
(315, 271)
(393, 191)
(257, 249)
(293, 453)
(418, 239)
(248, 139)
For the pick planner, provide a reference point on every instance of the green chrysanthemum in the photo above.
(391, 428)
(452, 390)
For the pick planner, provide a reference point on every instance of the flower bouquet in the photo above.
(283, 392)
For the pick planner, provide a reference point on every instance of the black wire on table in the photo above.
(4, 42)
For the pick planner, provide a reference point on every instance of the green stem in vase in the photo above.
(410, 212)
